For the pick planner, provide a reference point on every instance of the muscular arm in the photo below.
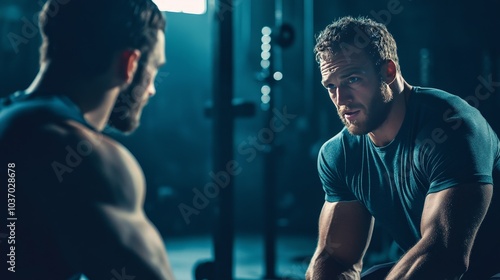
(450, 221)
(345, 230)
(98, 216)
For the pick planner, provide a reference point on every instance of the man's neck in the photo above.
(93, 97)
(384, 135)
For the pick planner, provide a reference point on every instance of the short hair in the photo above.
(87, 33)
(362, 33)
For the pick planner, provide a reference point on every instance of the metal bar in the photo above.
(223, 129)
(270, 159)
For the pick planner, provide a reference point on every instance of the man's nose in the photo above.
(343, 96)
(151, 89)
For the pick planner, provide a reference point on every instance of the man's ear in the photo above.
(129, 60)
(389, 71)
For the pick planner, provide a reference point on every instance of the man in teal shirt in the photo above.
(419, 161)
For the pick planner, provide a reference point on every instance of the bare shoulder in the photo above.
(101, 187)
(100, 165)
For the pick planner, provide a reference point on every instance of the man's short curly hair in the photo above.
(348, 34)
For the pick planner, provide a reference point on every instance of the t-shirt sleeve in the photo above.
(458, 150)
(331, 169)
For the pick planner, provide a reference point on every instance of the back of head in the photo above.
(348, 35)
(86, 33)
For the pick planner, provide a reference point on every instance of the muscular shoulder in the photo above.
(443, 117)
(337, 151)
(454, 144)
(340, 145)
(91, 164)
(444, 109)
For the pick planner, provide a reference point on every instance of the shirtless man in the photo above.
(79, 194)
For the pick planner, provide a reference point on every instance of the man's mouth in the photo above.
(351, 115)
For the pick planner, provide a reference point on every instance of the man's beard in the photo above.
(126, 112)
(375, 114)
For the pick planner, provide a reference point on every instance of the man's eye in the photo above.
(330, 86)
(352, 80)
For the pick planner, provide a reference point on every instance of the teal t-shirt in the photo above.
(443, 142)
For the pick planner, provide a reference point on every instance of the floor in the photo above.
(293, 253)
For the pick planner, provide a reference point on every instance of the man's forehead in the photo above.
(159, 49)
(339, 62)
(327, 67)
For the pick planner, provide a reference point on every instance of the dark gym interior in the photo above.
(224, 182)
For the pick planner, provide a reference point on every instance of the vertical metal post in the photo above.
(270, 217)
(308, 56)
(270, 202)
(223, 122)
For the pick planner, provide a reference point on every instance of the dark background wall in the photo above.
(451, 45)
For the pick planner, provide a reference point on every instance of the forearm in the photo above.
(426, 263)
(324, 266)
